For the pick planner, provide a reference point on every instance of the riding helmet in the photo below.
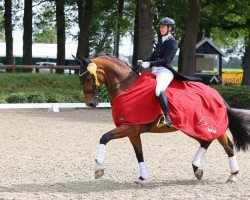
(168, 22)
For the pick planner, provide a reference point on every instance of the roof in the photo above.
(206, 41)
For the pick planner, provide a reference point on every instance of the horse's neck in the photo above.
(118, 78)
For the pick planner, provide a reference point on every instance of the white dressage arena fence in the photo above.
(50, 106)
(56, 106)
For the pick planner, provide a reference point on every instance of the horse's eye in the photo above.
(88, 80)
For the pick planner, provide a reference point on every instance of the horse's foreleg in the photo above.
(99, 168)
(119, 132)
(136, 142)
(229, 148)
(198, 172)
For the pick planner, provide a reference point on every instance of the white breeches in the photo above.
(163, 78)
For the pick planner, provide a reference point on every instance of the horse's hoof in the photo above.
(99, 173)
(99, 170)
(231, 179)
(199, 174)
(140, 182)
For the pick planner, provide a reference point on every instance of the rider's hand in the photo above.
(146, 64)
(139, 63)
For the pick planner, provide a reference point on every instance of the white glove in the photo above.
(146, 64)
(139, 63)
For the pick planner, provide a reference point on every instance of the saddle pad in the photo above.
(196, 109)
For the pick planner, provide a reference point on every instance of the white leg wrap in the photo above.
(233, 164)
(199, 156)
(143, 170)
(101, 153)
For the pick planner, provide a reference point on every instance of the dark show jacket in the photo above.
(163, 55)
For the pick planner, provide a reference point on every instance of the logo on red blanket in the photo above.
(208, 123)
(211, 130)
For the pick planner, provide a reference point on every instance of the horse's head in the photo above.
(90, 83)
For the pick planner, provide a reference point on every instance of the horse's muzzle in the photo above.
(92, 103)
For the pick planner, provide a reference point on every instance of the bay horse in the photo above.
(118, 77)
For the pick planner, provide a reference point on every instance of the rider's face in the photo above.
(164, 29)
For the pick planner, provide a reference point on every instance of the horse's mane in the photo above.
(112, 57)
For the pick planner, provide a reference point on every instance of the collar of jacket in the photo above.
(165, 38)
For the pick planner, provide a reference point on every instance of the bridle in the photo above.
(95, 90)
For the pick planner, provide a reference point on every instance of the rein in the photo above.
(125, 79)
(134, 72)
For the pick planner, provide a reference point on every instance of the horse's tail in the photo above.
(239, 126)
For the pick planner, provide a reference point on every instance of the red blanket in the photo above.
(196, 109)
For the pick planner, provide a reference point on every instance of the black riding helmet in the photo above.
(168, 22)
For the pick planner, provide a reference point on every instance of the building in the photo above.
(40, 53)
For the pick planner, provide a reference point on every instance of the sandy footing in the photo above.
(47, 155)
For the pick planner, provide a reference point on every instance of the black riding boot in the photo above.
(164, 106)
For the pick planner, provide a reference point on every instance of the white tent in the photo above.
(40, 50)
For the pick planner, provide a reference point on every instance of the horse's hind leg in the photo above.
(198, 172)
(229, 148)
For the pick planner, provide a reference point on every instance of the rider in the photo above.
(160, 61)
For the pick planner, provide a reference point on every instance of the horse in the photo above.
(118, 77)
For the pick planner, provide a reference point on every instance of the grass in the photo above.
(66, 87)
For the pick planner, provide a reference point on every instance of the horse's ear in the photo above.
(77, 60)
(85, 61)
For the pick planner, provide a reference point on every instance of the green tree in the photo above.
(188, 46)
(103, 26)
(234, 22)
(1, 25)
(233, 62)
(8, 32)
(246, 61)
(27, 34)
(44, 24)
(85, 12)
(143, 34)
(118, 21)
(60, 25)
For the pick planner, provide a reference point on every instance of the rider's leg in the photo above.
(163, 79)
(164, 106)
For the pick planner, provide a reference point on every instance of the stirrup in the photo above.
(162, 122)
